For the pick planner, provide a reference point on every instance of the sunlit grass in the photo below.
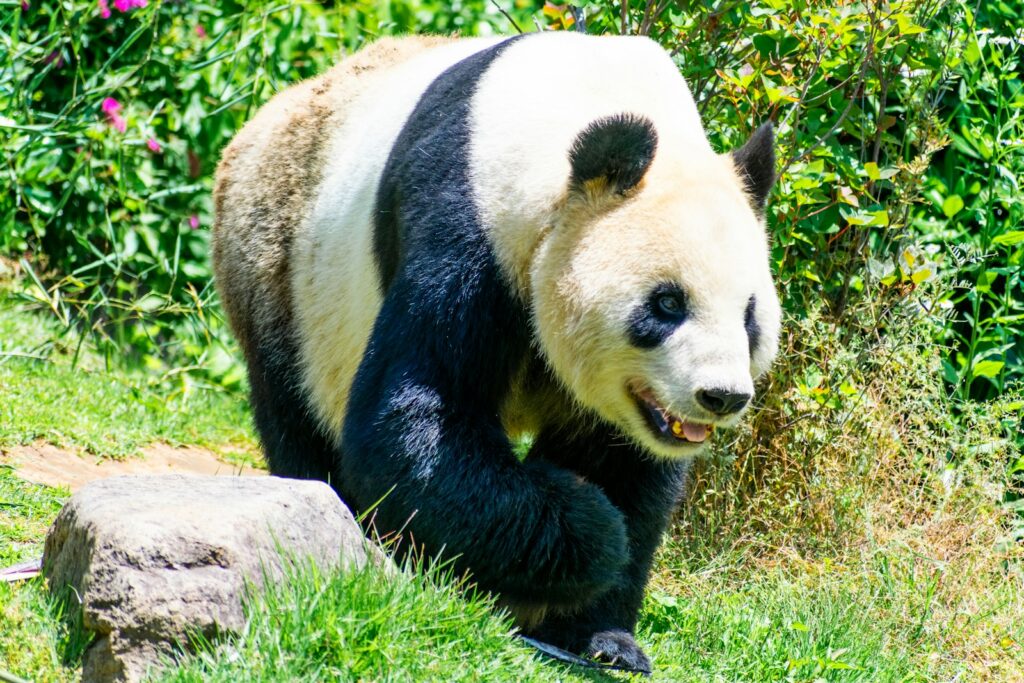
(56, 390)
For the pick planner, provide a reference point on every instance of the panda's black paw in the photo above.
(619, 648)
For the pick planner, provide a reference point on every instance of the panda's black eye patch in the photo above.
(750, 324)
(654, 321)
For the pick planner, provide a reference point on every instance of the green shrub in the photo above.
(112, 127)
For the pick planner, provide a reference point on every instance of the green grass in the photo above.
(32, 635)
(370, 626)
(878, 622)
(26, 511)
(106, 412)
(870, 624)
(87, 407)
(916, 593)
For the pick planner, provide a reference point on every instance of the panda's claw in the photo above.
(620, 649)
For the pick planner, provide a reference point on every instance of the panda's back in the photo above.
(293, 194)
(298, 189)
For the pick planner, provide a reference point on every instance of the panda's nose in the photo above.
(723, 401)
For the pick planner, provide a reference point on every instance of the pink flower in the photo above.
(200, 31)
(153, 145)
(126, 5)
(55, 56)
(24, 5)
(104, 9)
(112, 108)
(193, 221)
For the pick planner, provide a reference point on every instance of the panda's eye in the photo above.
(658, 317)
(670, 305)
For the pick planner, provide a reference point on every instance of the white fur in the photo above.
(336, 288)
(533, 102)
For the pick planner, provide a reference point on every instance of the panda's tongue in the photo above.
(668, 423)
(692, 432)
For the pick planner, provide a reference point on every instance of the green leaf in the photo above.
(811, 276)
(1012, 237)
(985, 280)
(919, 276)
(972, 53)
(987, 368)
(952, 205)
(907, 26)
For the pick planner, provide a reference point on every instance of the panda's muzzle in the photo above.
(665, 425)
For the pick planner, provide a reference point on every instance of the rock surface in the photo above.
(155, 558)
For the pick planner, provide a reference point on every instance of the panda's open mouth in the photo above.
(665, 425)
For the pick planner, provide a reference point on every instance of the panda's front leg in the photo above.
(646, 490)
(424, 448)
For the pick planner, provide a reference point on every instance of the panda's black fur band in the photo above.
(425, 178)
(439, 362)
(617, 148)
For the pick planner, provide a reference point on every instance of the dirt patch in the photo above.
(52, 466)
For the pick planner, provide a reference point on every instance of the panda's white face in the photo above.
(657, 311)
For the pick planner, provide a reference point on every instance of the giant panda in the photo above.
(443, 246)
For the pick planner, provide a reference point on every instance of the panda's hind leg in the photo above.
(294, 444)
(645, 490)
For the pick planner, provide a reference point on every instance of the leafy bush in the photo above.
(113, 117)
(896, 219)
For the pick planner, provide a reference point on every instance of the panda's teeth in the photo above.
(661, 418)
(666, 423)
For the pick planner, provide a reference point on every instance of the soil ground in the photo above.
(43, 463)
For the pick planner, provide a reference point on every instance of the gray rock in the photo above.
(155, 558)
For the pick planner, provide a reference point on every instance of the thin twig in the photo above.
(647, 13)
(506, 15)
(807, 86)
(650, 17)
(839, 121)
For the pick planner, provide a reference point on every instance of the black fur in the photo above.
(619, 148)
(750, 324)
(646, 490)
(292, 441)
(755, 161)
(648, 326)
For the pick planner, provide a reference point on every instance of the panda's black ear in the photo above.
(755, 161)
(615, 151)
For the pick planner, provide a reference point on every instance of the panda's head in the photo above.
(652, 294)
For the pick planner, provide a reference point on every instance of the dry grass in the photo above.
(866, 478)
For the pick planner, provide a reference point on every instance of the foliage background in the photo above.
(900, 139)
(893, 417)
(897, 218)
